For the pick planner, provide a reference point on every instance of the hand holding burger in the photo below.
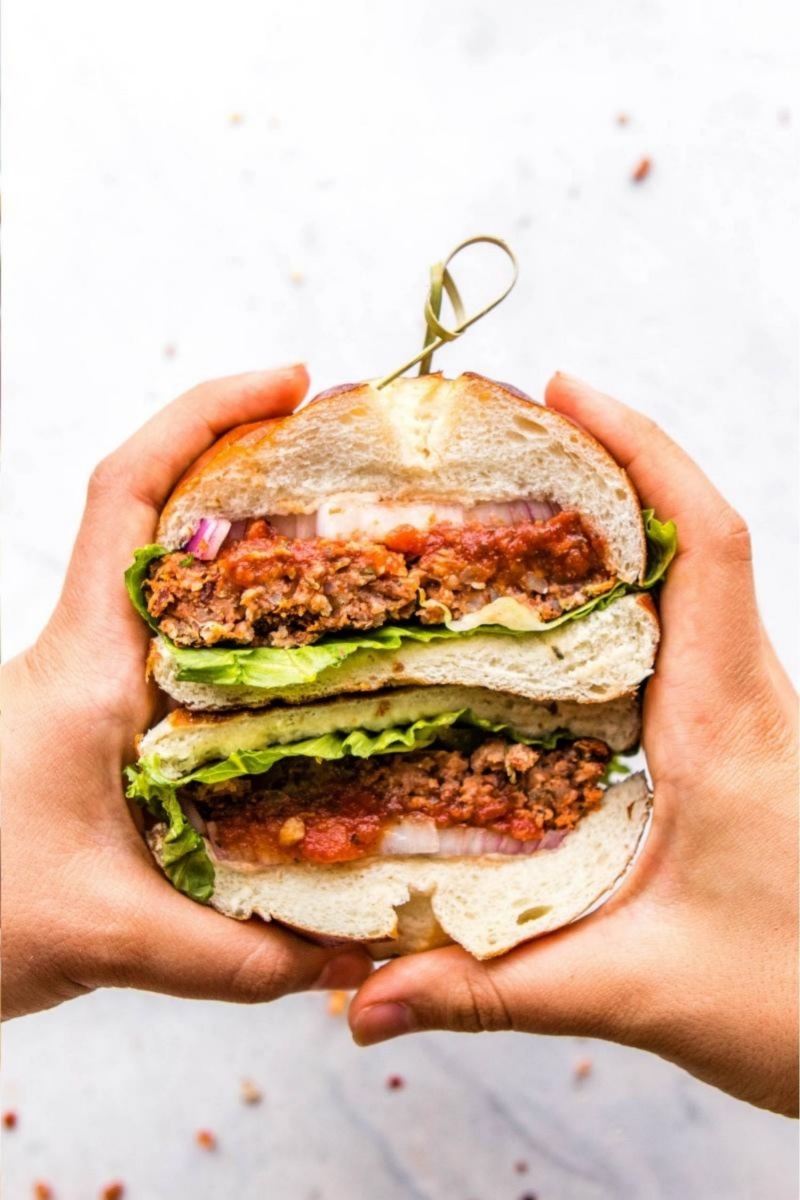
(83, 906)
(695, 958)
(433, 598)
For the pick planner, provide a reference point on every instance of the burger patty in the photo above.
(271, 590)
(306, 810)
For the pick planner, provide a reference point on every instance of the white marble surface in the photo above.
(151, 241)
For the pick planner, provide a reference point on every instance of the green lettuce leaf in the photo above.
(147, 780)
(662, 546)
(136, 575)
(615, 770)
(184, 857)
(270, 668)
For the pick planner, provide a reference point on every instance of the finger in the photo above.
(149, 464)
(129, 487)
(711, 582)
(160, 940)
(571, 982)
(784, 688)
(664, 475)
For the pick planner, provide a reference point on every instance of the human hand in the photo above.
(695, 958)
(84, 906)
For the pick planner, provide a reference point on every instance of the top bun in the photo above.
(464, 440)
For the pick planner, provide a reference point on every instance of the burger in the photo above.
(404, 819)
(435, 531)
(429, 605)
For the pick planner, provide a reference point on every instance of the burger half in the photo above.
(405, 819)
(432, 532)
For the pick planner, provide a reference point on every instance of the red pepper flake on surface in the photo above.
(582, 1069)
(113, 1191)
(10, 1120)
(337, 1003)
(395, 1082)
(251, 1092)
(42, 1191)
(206, 1139)
(642, 170)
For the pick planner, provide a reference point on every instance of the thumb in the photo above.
(162, 941)
(578, 981)
(710, 533)
(709, 595)
(128, 488)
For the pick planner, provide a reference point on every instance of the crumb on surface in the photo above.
(113, 1191)
(521, 1167)
(395, 1082)
(10, 1119)
(251, 1093)
(236, 118)
(623, 119)
(337, 1003)
(582, 1069)
(42, 1191)
(297, 278)
(642, 170)
(206, 1139)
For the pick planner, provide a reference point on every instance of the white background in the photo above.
(196, 189)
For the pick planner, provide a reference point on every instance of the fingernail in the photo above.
(289, 369)
(344, 972)
(273, 372)
(380, 1022)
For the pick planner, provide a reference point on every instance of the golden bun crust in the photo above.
(465, 440)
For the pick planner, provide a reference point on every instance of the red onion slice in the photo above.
(552, 839)
(208, 537)
(194, 816)
(420, 836)
(236, 532)
(414, 836)
(375, 519)
(511, 512)
(541, 510)
(295, 525)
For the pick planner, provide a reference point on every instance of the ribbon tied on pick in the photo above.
(436, 334)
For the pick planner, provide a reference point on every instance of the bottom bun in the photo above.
(400, 905)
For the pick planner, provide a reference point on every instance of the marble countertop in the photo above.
(190, 192)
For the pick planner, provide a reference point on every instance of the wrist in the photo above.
(725, 1013)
